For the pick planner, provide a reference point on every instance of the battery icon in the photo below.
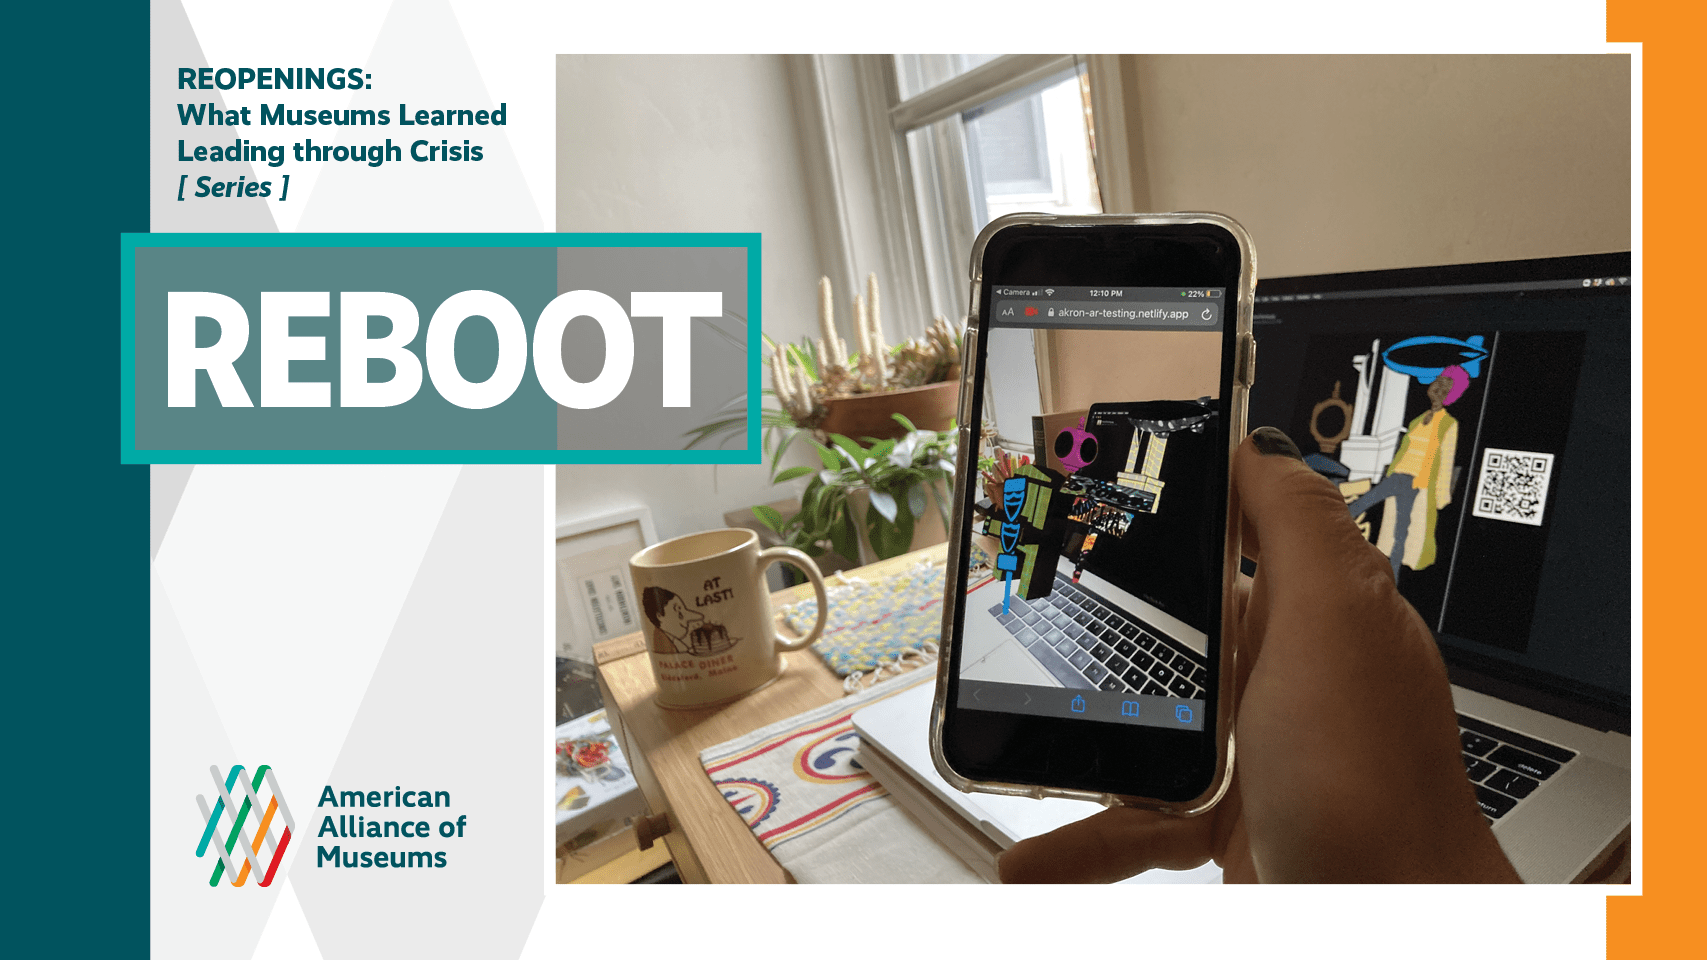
(1214, 293)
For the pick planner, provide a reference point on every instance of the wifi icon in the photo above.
(1049, 292)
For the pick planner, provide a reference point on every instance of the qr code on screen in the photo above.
(1513, 485)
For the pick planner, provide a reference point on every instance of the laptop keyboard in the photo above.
(1087, 644)
(1506, 766)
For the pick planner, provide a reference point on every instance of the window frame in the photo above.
(905, 208)
(942, 219)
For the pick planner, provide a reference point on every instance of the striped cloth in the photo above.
(799, 786)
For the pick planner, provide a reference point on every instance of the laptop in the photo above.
(1476, 419)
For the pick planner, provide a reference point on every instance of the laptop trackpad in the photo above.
(1576, 810)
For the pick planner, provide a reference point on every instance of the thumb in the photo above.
(1112, 845)
(1296, 524)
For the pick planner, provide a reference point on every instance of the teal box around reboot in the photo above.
(437, 348)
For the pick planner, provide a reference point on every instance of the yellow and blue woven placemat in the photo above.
(875, 622)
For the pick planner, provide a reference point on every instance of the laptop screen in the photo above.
(1477, 421)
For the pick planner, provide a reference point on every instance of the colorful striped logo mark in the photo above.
(238, 841)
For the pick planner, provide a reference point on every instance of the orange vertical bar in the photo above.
(1657, 923)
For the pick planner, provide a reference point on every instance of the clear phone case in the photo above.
(1243, 370)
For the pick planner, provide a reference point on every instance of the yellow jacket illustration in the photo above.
(1434, 481)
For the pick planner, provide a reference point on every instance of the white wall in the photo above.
(1338, 163)
(678, 143)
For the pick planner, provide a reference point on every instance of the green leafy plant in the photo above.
(901, 478)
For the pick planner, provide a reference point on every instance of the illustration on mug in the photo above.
(677, 629)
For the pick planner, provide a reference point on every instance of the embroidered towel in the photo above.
(799, 786)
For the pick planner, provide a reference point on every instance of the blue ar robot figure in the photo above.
(1013, 501)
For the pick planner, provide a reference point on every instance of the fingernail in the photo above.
(1270, 441)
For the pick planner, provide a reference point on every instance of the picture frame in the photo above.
(595, 593)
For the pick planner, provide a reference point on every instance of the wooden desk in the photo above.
(708, 841)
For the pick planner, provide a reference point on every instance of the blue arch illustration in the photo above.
(1471, 350)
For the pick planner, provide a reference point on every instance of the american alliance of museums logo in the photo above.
(239, 857)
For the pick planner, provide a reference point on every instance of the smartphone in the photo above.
(1088, 628)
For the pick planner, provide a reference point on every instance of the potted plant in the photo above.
(877, 495)
(899, 402)
(822, 387)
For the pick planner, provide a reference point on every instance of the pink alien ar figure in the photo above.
(1076, 449)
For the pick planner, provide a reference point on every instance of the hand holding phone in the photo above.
(1106, 373)
(1349, 764)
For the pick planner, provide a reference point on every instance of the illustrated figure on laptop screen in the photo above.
(1419, 480)
(1410, 470)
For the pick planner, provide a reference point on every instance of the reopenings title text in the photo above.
(430, 145)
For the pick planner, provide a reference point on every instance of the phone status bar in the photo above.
(1110, 294)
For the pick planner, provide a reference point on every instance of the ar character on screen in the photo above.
(1419, 480)
(1029, 525)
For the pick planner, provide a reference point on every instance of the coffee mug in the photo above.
(708, 623)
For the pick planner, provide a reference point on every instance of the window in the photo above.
(1033, 153)
(908, 157)
(982, 136)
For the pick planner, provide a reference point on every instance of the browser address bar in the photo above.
(1199, 314)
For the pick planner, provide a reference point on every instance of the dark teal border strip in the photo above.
(77, 662)
(129, 243)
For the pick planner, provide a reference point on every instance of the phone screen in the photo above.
(1103, 581)
(1092, 604)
